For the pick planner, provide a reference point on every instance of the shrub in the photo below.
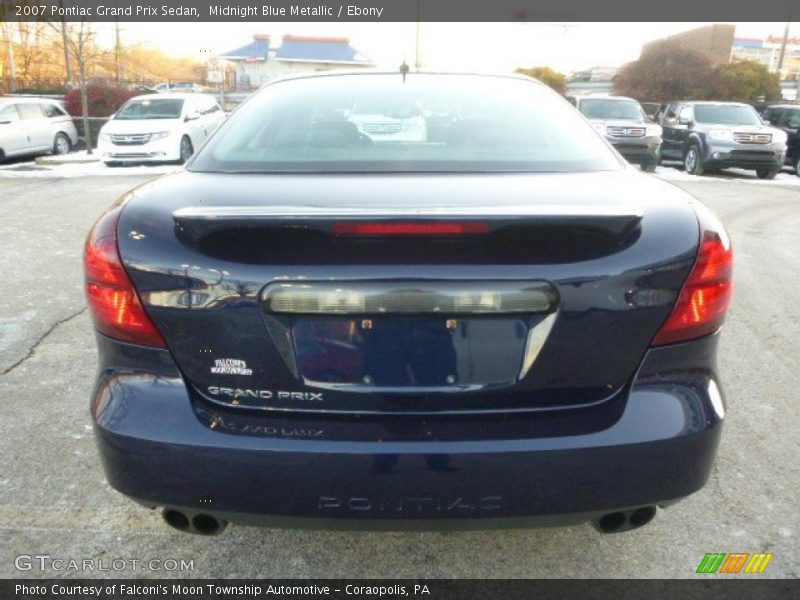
(103, 100)
(548, 76)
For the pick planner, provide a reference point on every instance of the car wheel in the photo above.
(691, 161)
(186, 149)
(767, 173)
(797, 165)
(61, 145)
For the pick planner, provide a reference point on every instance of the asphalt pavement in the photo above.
(55, 502)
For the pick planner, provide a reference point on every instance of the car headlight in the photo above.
(106, 137)
(653, 131)
(159, 135)
(779, 137)
(599, 127)
(413, 124)
(722, 135)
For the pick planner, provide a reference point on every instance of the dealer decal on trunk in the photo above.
(230, 366)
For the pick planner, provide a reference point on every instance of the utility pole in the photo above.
(785, 40)
(66, 51)
(117, 53)
(417, 57)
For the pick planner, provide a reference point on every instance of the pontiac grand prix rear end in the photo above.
(497, 324)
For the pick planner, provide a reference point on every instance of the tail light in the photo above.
(378, 228)
(116, 308)
(707, 292)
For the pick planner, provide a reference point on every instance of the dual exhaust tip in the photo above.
(199, 523)
(205, 524)
(625, 520)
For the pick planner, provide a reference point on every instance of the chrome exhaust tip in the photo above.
(625, 520)
(199, 523)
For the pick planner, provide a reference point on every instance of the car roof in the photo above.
(606, 97)
(29, 99)
(397, 73)
(171, 96)
(711, 102)
(797, 106)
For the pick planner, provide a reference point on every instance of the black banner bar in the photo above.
(435, 589)
(398, 10)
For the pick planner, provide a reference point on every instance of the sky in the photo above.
(499, 47)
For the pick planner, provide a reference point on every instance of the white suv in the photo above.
(159, 128)
(34, 126)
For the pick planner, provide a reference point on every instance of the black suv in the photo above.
(787, 118)
(718, 135)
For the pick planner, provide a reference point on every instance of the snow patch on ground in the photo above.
(786, 178)
(79, 164)
(86, 166)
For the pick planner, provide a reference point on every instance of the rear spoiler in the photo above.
(196, 222)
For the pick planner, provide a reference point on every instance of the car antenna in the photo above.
(404, 70)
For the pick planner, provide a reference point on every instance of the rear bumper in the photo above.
(161, 448)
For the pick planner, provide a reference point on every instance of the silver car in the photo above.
(34, 126)
(623, 123)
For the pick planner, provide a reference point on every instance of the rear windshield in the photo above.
(605, 108)
(380, 123)
(726, 114)
(151, 108)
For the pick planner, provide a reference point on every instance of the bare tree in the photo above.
(12, 70)
(79, 38)
(31, 53)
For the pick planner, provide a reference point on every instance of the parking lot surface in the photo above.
(54, 500)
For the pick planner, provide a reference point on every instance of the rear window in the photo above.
(151, 108)
(381, 123)
(726, 114)
(625, 110)
(51, 111)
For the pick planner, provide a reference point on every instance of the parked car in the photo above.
(718, 135)
(180, 87)
(397, 122)
(786, 117)
(623, 122)
(30, 126)
(159, 127)
(306, 328)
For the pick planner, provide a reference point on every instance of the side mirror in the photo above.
(192, 117)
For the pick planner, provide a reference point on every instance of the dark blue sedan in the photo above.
(407, 300)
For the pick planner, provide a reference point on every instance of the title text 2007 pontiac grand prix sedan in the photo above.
(407, 300)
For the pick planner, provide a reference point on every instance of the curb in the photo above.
(55, 161)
